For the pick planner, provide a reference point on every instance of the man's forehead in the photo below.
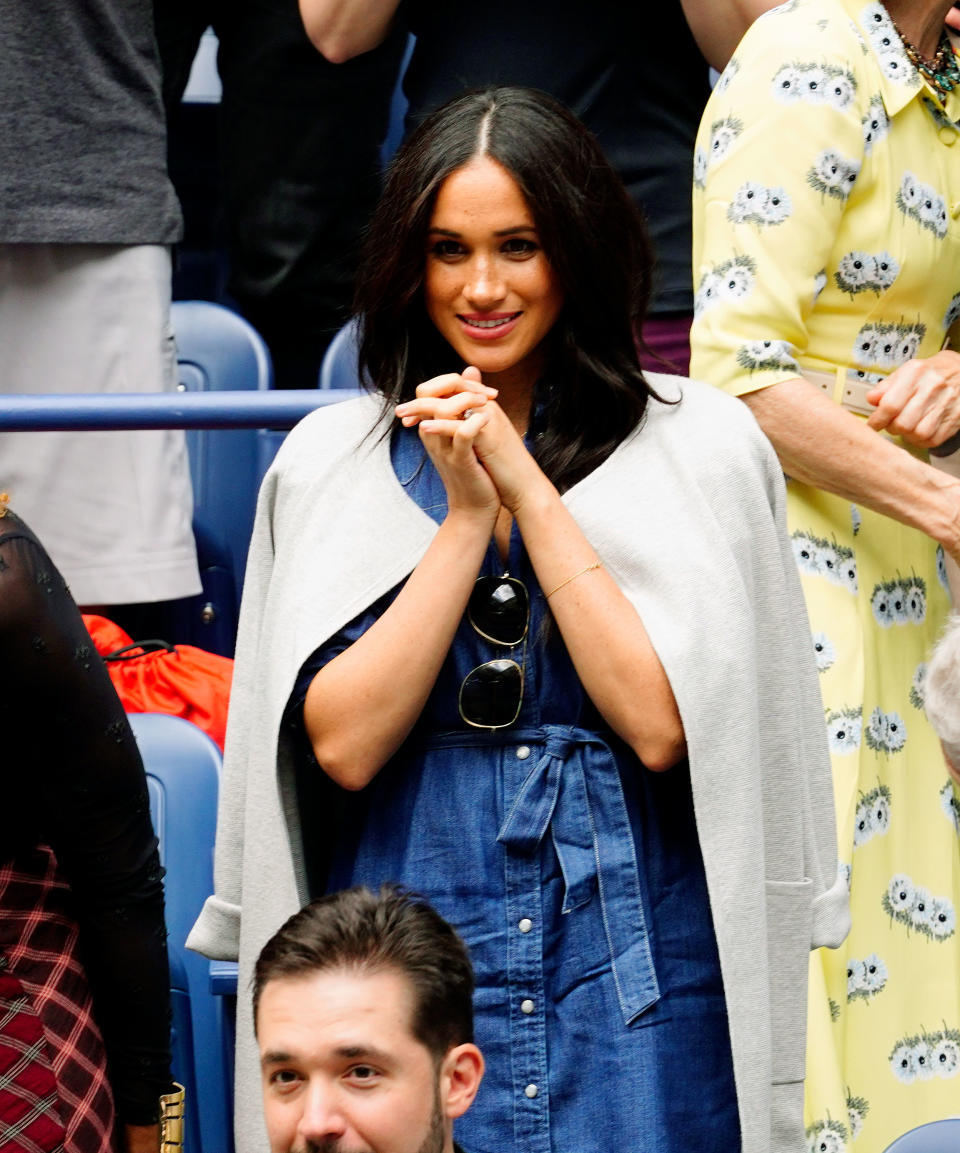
(347, 1010)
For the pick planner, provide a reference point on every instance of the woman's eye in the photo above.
(446, 249)
(284, 1078)
(519, 246)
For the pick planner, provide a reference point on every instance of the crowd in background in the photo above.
(802, 217)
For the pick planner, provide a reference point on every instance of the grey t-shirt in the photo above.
(82, 131)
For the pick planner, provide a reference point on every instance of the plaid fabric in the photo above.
(45, 1010)
(29, 1114)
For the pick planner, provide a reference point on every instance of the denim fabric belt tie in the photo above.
(586, 813)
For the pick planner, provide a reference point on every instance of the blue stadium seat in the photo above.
(183, 771)
(398, 110)
(218, 350)
(936, 1137)
(339, 367)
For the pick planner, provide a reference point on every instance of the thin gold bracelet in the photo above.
(589, 568)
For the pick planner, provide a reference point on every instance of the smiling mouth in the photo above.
(487, 322)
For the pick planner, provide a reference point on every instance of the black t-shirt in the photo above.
(632, 73)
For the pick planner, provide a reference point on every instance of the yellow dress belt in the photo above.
(850, 390)
(845, 387)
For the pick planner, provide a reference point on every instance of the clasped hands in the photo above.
(920, 400)
(480, 456)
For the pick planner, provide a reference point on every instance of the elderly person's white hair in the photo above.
(942, 693)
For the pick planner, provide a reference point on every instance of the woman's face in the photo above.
(489, 287)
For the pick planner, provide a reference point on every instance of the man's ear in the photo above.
(460, 1077)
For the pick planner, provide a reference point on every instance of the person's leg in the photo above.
(300, 140)
(179, 24)
(113, 508)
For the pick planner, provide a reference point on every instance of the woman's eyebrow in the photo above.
(512, 231)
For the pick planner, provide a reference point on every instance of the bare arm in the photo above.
(822, 444)
(718, 25)
(361, 706)
(342, 29)
(604, 635)
(142, 1138)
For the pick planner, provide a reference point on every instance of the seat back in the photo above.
(935, 1137)
(339, 368)
(398, 109)
(183, 770)
(217, 350)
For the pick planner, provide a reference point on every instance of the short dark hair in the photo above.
(591, 233)
(363, 931)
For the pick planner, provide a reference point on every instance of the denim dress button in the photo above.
(531, 1091)
(523, 752)
(527, 1006)
(525, 925)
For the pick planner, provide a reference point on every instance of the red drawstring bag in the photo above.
(156, 677)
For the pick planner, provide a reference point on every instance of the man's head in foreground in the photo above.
(362, 1005)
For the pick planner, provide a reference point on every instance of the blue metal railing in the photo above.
(89, 412)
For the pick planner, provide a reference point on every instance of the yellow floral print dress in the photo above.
(827, 239)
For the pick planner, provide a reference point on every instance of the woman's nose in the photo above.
(484, 287)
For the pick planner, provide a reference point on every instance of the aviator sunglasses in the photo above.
(492, 693)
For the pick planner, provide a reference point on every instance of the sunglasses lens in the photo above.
(498, 608)
(490, 695)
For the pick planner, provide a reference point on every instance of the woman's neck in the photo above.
(920, 21)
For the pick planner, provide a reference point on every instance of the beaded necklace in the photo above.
(941, 69)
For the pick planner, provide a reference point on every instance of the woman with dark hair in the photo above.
(599, 257)
(525, 649)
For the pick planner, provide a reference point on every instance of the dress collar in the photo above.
(900, 81)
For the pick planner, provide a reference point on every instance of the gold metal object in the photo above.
(171, 1120)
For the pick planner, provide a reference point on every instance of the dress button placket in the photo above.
(528, 1041)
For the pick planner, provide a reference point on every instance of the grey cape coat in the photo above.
(688, 517)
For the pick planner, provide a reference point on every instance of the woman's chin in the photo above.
(501, 368)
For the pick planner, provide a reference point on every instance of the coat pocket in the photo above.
(789, 926)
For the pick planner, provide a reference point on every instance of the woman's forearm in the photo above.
(604, 635)
(141, 1138)
(362, 705)
(822, 444)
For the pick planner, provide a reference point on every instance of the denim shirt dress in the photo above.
(573, 874)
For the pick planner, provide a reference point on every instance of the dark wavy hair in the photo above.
(593, 392)
(366, 932)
